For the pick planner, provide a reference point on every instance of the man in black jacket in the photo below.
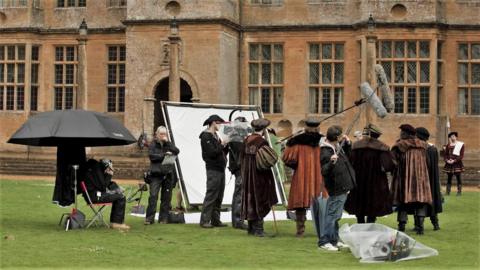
(214, 154)
(339, 178)
(161, 176)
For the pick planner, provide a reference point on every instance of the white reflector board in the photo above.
(184, 122)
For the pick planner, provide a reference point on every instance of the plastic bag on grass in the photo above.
(373, 242)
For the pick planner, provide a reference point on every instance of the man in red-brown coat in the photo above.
(410, 185)
(303, 155)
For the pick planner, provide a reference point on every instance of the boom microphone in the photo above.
(387, 97)
(373, 100)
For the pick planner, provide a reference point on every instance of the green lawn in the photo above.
(32, 239)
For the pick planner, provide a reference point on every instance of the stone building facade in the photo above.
(293, 58)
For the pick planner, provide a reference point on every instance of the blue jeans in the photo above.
(334, 211)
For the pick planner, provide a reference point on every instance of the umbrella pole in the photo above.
(75, 168)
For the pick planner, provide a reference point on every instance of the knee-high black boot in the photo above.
(434, 220)
(402, 220)
(420, 224)
(371, 219)
(459, 184)
(360, 219)
(259, 228)
(449, 183)
(251, 227)
(415, 223)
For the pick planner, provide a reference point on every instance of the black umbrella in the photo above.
(85, 128)
(71, 131)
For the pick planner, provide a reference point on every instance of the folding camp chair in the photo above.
(97, 208)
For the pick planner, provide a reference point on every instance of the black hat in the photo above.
(241, 119)
(422, 133)
(371, 128)
(334, 132)
(409, 129)
(312, 122)
(259, 124)
(453, 133)
(213, 118)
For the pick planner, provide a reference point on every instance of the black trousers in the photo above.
(117, 215)
(213, 197)
(237, 201)
(457, 175)
(418, 209)
(163, 182)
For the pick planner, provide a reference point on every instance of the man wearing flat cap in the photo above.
(214, 153)
(453, 157)
(411, 185)
(371, 160)
(302, 154)
(259, 193)
(433, 175)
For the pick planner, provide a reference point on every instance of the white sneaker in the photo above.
(342, 245)
(328, 247)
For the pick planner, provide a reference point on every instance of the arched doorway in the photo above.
(161, 94)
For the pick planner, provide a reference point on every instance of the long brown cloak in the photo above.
(259, 193)
(303, 155)
(371, 160)
(410, 183)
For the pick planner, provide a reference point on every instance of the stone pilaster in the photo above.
(371, 78)
(82, 80)
(174, 76)
(148, 115)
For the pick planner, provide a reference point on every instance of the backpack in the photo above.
(75, 220)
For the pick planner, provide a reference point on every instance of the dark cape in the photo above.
(68, 155)
(410, 183)
(371, 160)
(258, 195)
(434, 176)
(303, 155)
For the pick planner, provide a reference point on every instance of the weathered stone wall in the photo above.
(189, 9)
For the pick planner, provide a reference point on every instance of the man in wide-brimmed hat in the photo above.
(410, 185)
(371, 160)
(214, 153)
(259, 187)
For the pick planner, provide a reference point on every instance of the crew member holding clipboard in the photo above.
(162, 155)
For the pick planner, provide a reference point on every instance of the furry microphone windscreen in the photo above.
(373, 100)
(387, 96)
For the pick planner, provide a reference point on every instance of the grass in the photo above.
(32, 239)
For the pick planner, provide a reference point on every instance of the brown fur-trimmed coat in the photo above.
(303, 155)
(410, 179)
(371, 160)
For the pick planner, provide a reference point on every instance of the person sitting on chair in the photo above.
(101, 189)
